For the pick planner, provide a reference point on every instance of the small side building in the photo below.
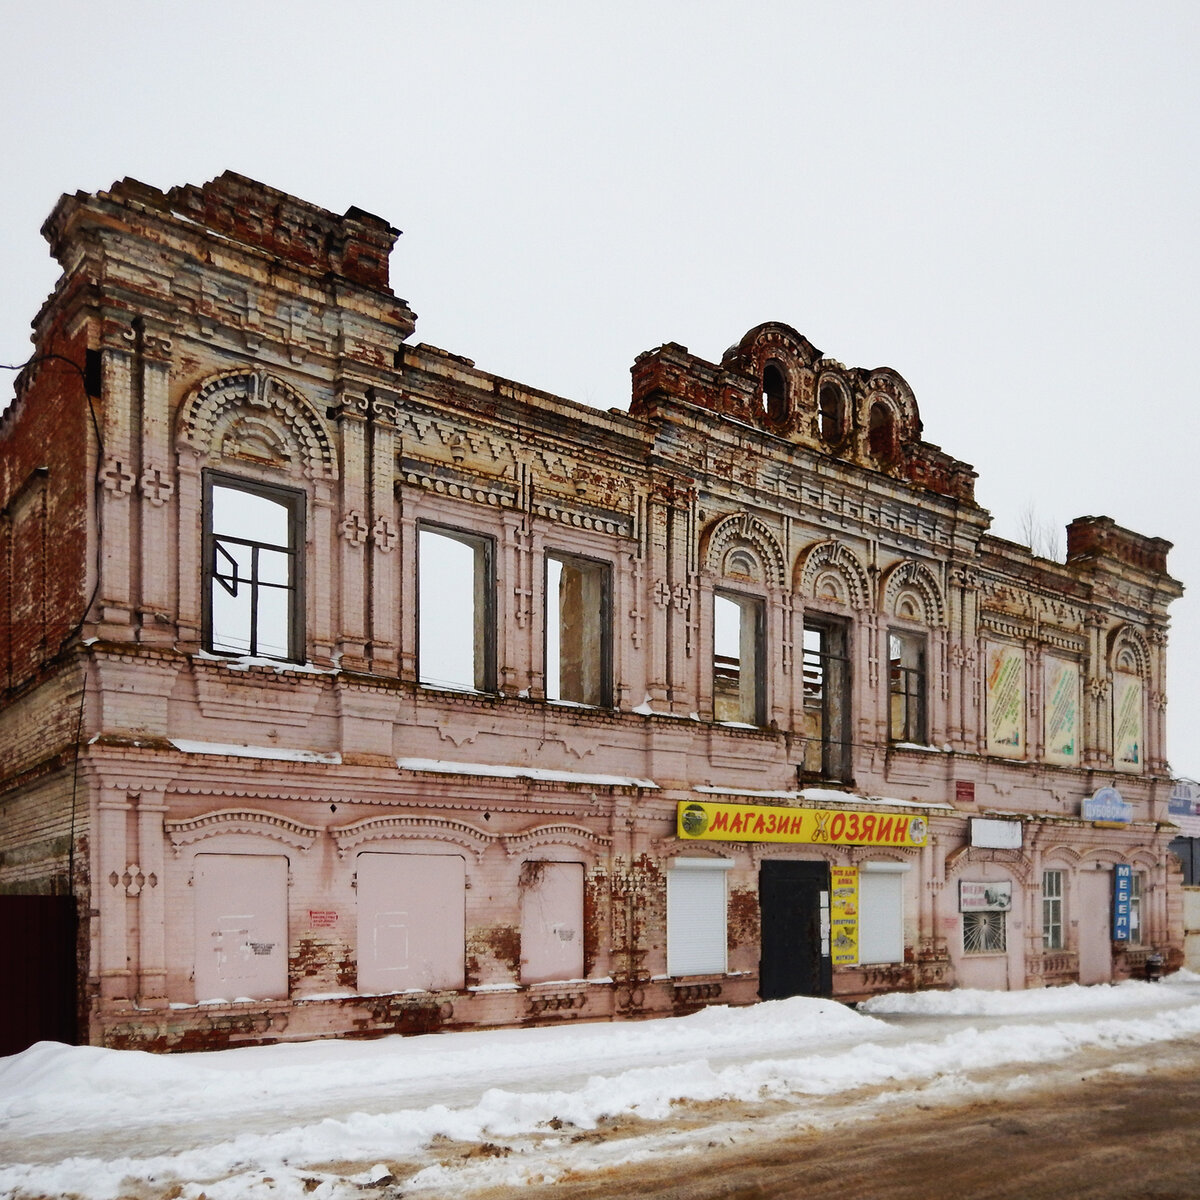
(347, 688)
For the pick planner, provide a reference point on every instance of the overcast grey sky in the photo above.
(998, 200)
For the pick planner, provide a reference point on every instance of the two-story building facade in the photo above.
(350, 688)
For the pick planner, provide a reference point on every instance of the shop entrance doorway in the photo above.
(793, 900)
(1093, 890)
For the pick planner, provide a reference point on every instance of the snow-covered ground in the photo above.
(335, 1119)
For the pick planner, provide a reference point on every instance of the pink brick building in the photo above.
(350, 689)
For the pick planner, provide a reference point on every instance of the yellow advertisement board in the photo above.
(699, 820)
(843, 915)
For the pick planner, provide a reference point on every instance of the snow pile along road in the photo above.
(339, 1119)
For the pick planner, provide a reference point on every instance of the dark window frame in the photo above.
(295, 500)
(908, 685)
(605, 666)
(486, 671)
(825, 674)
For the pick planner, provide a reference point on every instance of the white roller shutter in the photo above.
(881, 912)
(696, 938)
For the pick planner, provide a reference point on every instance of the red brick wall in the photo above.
(45, 478)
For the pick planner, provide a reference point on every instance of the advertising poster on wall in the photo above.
(1122, 902)
(1060, 709)
(843, 915)
(1127, 722)
(1005, 685)
(984, 897)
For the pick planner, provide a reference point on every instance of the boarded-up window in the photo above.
(551, 921)
(696, 941)
(881, 912)
(411, 922)
(241, 926)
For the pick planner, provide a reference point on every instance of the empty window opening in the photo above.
(578, 649)
(832, 408)
(906, 687)
(1052, 911)
(253, 597)
(881, 432)
(774, 392)
(456, 622)
(826, 717)
(737, 657)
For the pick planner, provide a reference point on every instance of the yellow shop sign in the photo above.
(698, 820)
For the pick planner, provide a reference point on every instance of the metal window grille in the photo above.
(984, 932)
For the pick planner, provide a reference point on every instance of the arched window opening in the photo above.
(881, 432)
(832, 407)
(774, 392)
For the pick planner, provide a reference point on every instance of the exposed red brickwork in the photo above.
(490, 946)
(1102, 537)
(743, 926)
(44, 505)
(355, 246)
